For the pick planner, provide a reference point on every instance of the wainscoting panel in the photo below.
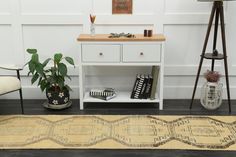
(52, 7)
(184, 47)
(186, 6)
(53, 26)
(6, 49)
(5, 7)
(49, 39)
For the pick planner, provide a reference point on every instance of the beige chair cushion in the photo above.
(8, 84)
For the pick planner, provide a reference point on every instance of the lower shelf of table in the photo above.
(122, 97)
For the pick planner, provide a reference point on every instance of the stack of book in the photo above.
(103, 94)
(145, 85)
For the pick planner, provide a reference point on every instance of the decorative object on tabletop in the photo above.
(119, 35)
(211, 95)
(122, 6)
(147, 33)
(51, 79)
(104, 94)
(150, 33)
(92, 24)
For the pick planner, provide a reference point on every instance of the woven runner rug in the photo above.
(118, 132)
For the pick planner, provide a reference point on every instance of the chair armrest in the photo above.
(11, 67)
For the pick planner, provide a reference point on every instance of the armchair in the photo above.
(10, 84)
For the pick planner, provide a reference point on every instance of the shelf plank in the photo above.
(105, 37)
(122, 97)
(211, 56)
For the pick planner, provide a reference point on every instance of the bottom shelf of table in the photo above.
(121, 97)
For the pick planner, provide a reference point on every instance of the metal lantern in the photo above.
(211, 96)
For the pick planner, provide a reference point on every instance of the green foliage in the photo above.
(49, 78)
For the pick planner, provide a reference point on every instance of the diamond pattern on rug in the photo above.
(118, 132)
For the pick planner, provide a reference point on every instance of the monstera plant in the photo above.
(51, 78)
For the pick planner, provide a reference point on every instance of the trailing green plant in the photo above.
(49, 78)
(212, 76)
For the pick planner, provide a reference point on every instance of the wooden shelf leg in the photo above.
(81, 91)
(225, 53)
(215, 36)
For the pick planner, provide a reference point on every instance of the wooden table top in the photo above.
(105, 37)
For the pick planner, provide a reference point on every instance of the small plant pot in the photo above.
(211, 95)
(58, 99)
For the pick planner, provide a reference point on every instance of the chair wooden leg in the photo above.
(21, 101)
(20, 91)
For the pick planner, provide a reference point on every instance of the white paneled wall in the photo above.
(53, 26)
(52, 7)
(186, 7)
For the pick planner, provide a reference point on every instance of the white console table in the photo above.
(100, 50)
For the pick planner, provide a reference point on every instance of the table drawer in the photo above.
(142, 53)
(101, 53)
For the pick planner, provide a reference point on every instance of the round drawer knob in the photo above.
(100, 54)
(141, 53)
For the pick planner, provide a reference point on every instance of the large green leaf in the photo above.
(35, 58)
(39, 69)
(40, 79)
(31, 51)
(70, 60)
(34, 78)
(62, 69)
(43, 85)
(31, 67)
(57, 57)
(46, 62)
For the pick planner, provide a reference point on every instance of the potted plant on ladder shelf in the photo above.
(51, 78)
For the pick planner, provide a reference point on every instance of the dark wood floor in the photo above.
(171, 107)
